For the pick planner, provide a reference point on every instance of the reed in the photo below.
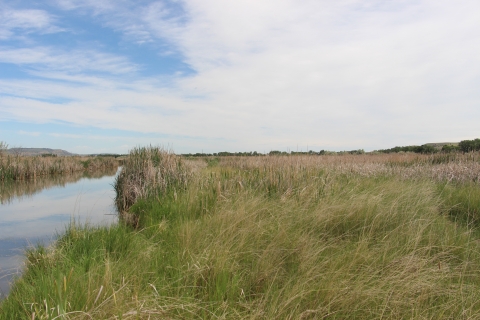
(93, 164)
(147, 172)
(14, 167)
(458, 168)
(338, 237)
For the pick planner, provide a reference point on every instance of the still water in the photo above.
(35, 212)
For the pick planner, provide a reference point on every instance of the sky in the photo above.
(104, 76)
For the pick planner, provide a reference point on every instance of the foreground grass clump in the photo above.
(149, 172)
(266, 238)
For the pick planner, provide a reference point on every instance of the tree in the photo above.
(449, 148)
(469, 145)
(275, 153)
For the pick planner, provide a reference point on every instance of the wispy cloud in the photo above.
(68, 135)
(26, 21)
(124, 16)
(76, 61)
(28, 133)
(96, 6)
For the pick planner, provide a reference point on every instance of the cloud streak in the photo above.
(25, 21)
(75, 61)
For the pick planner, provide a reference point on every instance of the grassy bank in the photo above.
(14, 167)
(355, 237)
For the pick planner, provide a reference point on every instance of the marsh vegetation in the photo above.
(355, 236)
(17, 167)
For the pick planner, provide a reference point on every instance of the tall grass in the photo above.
(147, 172)
(264, 238)
(14, 167)
(458, 168)
(93, 164)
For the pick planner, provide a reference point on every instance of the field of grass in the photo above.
(15, 167)
(277, 237)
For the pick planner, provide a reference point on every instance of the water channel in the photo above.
(35, 212)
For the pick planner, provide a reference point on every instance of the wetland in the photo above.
(351, 236)
(36, 211)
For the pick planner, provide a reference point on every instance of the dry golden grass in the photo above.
(28, 168)
(439, 167)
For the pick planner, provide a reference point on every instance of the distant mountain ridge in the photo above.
(39, 151)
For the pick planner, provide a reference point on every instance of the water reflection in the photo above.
(34, 212)
(10, 190)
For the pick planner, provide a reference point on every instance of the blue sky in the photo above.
(255, 75)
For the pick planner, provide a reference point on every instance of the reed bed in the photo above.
(96, 164)
(147, 172)
(27, 168)
(11, 189)
(265, 238)
(458, 167)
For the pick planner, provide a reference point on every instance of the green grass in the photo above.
(462, 201)
(263, 240)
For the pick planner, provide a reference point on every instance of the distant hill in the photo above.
(39, 151)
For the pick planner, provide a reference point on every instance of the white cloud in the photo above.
(272, 74)
(29, 20)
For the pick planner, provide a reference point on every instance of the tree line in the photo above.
(464, 146)
(271, 153)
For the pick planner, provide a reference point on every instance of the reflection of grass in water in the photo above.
(10, 190)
